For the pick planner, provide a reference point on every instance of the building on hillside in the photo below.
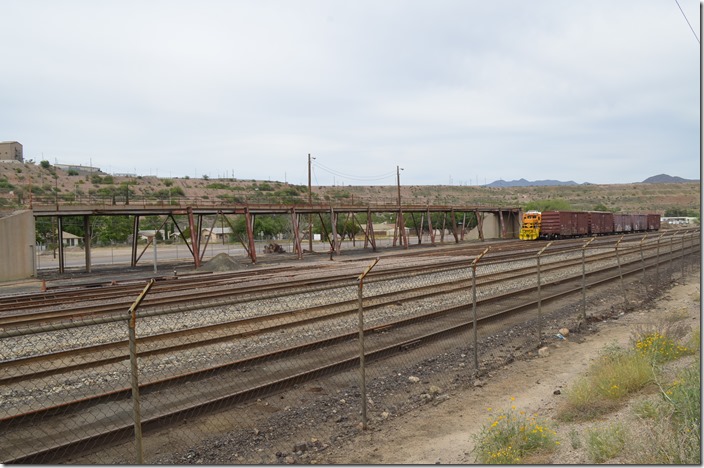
(11, 151)
(78, 168)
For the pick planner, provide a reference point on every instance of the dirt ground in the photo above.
(443, 433)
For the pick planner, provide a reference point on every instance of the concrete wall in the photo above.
(16, 237)
(492, 227)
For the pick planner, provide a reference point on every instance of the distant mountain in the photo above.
(666, 179)
(528, 183)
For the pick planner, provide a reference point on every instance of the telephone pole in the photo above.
(310, 215)
(401, 225)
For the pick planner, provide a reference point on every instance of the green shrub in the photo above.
(511, 437)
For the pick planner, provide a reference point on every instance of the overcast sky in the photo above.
(454, 92)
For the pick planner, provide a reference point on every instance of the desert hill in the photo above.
(48, 184)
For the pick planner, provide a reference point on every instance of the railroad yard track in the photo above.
(266, 327)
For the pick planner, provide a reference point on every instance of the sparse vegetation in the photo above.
(670, 423)
(605, 442)
(615, 375)
(512, 436)
(549, 205)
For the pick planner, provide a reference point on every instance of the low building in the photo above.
(79, 168)
(217, 234)
(145, 234)
(678, 220)
(71, 240)
(11, 151)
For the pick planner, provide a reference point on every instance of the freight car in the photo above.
(561, 224)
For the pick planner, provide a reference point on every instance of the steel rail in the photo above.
(381, 276)
(246, 327)
(277, 321)
(93, 310)
(211, 404)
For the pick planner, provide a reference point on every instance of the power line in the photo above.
(685, 18)
(353, 177)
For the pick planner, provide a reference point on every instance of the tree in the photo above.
(269, 226)
(45, 164)
(109, 229)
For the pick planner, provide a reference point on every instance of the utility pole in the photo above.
(398, 184)
(401, 225)
(310, 215)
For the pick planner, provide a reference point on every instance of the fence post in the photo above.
(642, 264)
(362, 377)
(672, 241)
(133, 370)
(474, 307)
(620, 273)
(540, 306)
(657, 264)
(584, 280)
(682, 258)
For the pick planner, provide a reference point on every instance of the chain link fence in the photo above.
(241, 377)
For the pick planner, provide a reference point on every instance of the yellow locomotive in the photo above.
(530, 228)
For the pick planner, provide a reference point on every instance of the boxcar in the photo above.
(640, 222)
(564, 224)
(653, 222)
(601, 223)
(623, 223)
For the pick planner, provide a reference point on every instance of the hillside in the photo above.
(48, 184)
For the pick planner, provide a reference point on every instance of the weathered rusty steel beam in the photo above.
(180, 233)
(194, 238)
(249, 222)
(442, 232)
(502, 224)
(296, 234)
(370, 230)
(402, 230)
(60, 246)
(207, 241)
(135, 237)
(86, 240)
(430, 229)
(333, 223)
(325, 231)
(415, 226)
(480, 224)
(454, 225)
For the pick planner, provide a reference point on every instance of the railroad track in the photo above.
(426, 325)
(169, 291)
(96, 355)
(431, 323)
(110, 288)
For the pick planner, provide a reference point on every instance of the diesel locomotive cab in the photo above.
(530, 226)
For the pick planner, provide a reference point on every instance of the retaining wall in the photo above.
(16, 241)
